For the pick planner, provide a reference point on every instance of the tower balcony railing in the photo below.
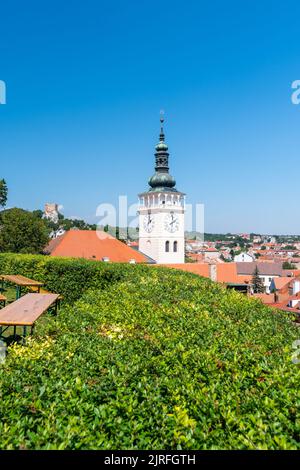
(157, 200)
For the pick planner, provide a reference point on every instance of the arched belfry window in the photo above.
(167, 246)
(175, 245)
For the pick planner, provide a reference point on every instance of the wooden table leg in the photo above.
(24, 334)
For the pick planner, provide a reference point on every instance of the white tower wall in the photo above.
(163, 243)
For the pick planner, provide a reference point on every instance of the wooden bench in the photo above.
(41, 290)
(25, 311)
(19, 281)
(22, 281)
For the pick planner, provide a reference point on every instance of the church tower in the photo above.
(161, 212)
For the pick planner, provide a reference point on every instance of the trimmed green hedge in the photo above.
(164, 360)
(67, 276)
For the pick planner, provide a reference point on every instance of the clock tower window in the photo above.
(175, 246)
(167, 246)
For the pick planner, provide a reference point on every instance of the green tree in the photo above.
(258, 286)
(226, 260)
(38, 213)
(3, 193)
(22, 232)
(287, 265)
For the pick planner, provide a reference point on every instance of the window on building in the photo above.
(167, 246)
(175, 247)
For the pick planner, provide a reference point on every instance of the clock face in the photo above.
(171, 222)
(148, 223)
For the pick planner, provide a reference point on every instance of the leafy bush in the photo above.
(161, 360)
(67, 276)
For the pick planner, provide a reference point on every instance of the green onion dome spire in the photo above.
(162, 180)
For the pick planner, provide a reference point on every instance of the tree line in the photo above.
(23, 231)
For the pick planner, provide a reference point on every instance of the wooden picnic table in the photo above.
(20, 281)
(25, 311)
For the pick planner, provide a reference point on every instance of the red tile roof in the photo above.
(95, 245)
(291, 272)
(283, 306)
(226, 272)
(202, 269)
(265, 298)
(280, 282)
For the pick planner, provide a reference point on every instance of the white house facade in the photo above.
(244, 258)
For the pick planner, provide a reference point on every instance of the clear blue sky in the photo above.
(85, 83)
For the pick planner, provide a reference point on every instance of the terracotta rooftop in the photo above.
(291, 272)
(225, 272)
(265, 298)
(202, 269)
(94, 245)
(283, 306)
(280, 282)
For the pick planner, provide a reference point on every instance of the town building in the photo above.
(210, 254)
(244, 257)
(266, 271)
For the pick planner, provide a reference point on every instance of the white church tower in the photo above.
(161, 212)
